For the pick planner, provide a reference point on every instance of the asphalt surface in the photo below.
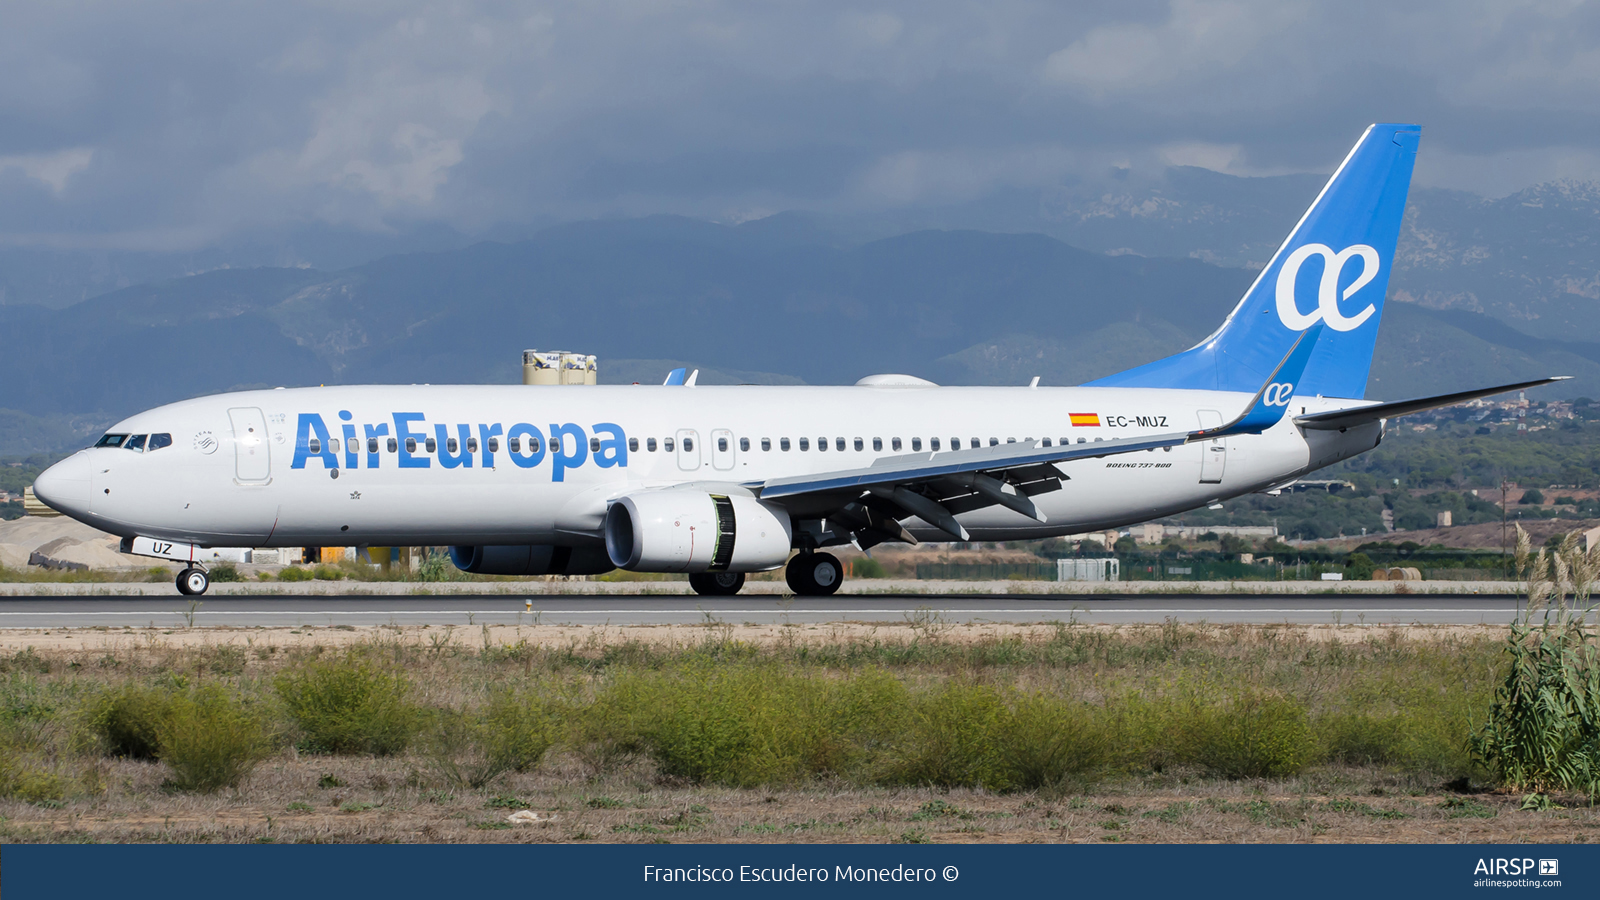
(168, 612)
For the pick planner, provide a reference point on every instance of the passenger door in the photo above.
(1213, 453)
(688, 450)
(722, 452)
(252, 451)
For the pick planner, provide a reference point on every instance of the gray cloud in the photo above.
(171, 125)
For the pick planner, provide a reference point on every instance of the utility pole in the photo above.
(1505, 571)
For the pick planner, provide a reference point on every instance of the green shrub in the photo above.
(348, 706)
(1257, 735)
(211, 741)
(128, 721)
(22, 777)
(510, 733)
(1049, 743)
(1543, 731)
(222, 572)
(327, 573)
(947, 739)
(294, 573)
(705, 731)
(867, 567)
(517, 730)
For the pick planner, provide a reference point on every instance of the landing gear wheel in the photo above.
(814, 574)
(717, 584)
(193, 582)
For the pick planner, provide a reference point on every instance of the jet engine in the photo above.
(535, 559)
(695, 531)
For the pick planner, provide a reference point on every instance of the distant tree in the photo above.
(1532, 496)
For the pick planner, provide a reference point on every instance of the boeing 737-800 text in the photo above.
(717, 482)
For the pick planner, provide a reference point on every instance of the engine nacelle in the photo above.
(695, 531)
(537, 559)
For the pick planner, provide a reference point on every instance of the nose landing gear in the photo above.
(193, 581)
(814, 574)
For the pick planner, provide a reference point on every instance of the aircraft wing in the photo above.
(1361, 415)
(936, 487)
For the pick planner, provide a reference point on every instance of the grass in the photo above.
(982, 731)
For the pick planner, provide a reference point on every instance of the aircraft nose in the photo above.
(65, 486)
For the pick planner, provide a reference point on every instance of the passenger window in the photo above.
(877, 443)
(314, 445)
(994, 442)
(533, 444)
(372, 445)
(783, 444)
(805, 444)
(1083, 440)
(894, 443)
(633, 445)
(766, 445)
(933, 443)
(136, 443)
(411, 445)
(838, 444)
(722, 445)
(111, 440)
(472, 445)
(667, 444)
(450, 446)
(514, 445)
(157, 441)
(394, 445)
(1047, 442)
(494, 445)
(976, 443)
(860, 445)
(688, 445)
(1098, 440)
(822, 444)
(650, 444)
(432, 445)
(594, 445)
(744, 444)
(916, 443)
(1011, 440)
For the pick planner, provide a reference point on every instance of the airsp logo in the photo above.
(1278, 394)
(1328, 295)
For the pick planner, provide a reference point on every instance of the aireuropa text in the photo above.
(793, 873)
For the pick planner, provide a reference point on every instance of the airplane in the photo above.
(721, 481)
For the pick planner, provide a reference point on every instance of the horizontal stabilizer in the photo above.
(1361, 415)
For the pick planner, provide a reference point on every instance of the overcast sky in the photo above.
(170, 125)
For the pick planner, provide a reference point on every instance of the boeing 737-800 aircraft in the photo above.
(717, 482)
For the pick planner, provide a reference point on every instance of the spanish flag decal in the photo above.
(1090, 419)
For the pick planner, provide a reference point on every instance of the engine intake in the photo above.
(535, 559)
(696, 531)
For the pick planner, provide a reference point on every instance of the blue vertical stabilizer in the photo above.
(1333, 269)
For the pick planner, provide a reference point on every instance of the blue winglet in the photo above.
(1272, 400)
(676, 376)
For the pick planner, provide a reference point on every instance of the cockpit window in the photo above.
(135, 443)
(111, 440)
(157, 441)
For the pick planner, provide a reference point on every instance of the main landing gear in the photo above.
(814, 574)
(717, 584)
(193, 581)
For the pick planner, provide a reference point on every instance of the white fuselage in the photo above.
(220, 482)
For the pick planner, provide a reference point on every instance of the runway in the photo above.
(619, 610)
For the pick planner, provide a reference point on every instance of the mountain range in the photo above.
(1080, 283)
